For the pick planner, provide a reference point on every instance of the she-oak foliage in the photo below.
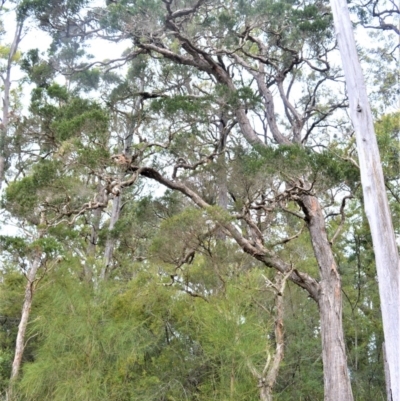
(183, 310)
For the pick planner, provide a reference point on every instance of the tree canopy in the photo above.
(190, 213)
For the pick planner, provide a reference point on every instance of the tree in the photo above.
(246, 53)
(375, 198)
(9, 54)
(232, 111)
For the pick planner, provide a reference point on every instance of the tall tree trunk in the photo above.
(337, 384)
(375, 198)
(222, 196)
(26, 309)
(6, 78)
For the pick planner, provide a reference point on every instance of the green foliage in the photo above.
(119, 342)
(22, 197)
(178, 104)
(50, 10)
(301, 371)
(184, 311)
(72, 117)
(388, 133)
(87, 80)
(324, 168)
(39, 71)
(362, 320)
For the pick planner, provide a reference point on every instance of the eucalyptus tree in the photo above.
(44, 133)
(245, 52)
(62, 150)
(375, 198)
(235, 111)
(245, 58)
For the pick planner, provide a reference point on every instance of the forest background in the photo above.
(189, 213)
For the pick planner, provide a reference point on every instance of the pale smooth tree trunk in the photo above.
(26, 309)
(5, 118)
(387, 374)
(375, 198)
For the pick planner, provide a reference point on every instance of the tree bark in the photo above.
(109, 249)
(26, 309)
(375, 199)
(268, 379)
(92, 245)
(6, 78)
(337, 384)
(387, 374)
(117, 201)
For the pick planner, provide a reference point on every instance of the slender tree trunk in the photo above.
(337, 384)
(92, 245)
(269, 376)
(222, 196)
(26, 309)
(109, 249)
(117, 201)
(375, 199)
(6, 78)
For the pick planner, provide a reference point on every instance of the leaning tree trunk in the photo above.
(26, 309)
(375, 199)
(337, 384)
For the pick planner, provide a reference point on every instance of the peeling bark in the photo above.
(268, 379)
(337, 384)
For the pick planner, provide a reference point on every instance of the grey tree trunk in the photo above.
(117, 201)
(375, 199)
(6, 78)
(270, 375)
(387, 374)
(109, 249)
(337, 384)
(26, 309)
(92, 245)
